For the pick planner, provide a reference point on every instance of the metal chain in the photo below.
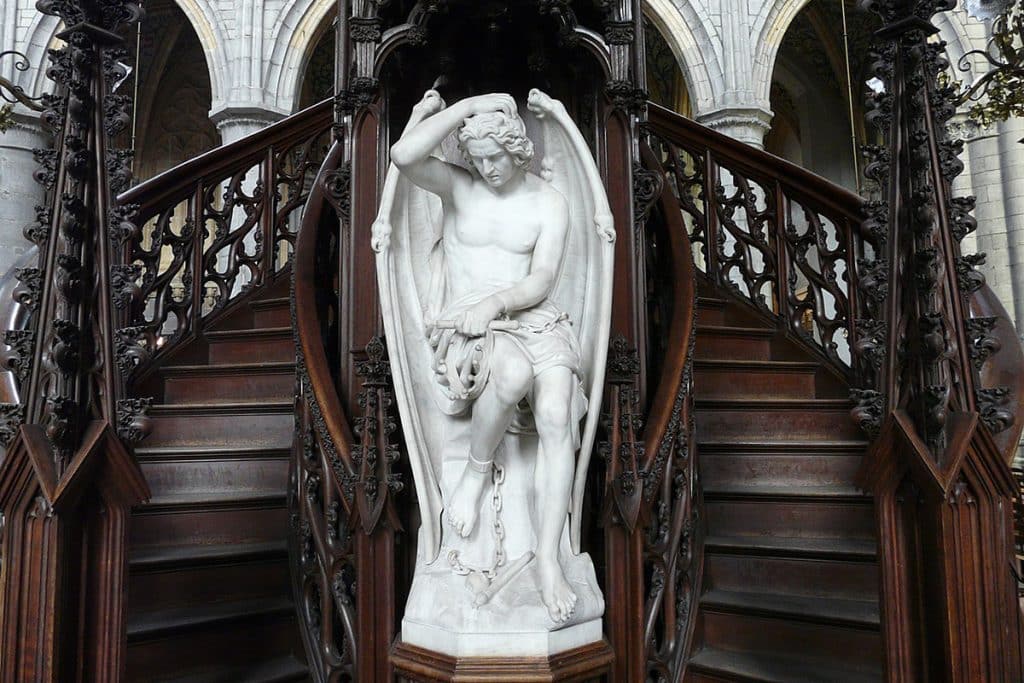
(497, 530)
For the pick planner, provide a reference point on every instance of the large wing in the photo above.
(587, 266)
(405, 234)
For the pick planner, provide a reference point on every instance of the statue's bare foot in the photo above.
(464, 506)
(555, 591)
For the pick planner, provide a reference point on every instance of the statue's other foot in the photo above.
(464, 506)
(555, 591)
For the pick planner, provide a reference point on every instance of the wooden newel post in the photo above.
(942, 488)
(68, 480)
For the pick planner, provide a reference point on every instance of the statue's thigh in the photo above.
(511, 371)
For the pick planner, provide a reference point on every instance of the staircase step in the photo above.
(191, 641)
(844, 647)
(209, 523)
(267, 424)
(210, 453)
(714, 310)
(812, 609)
(271, 312)
(233, 382)
(754, 379)
(784, 447)
(727, 342)
(790, 518)
(169, 622)
(754, 490)
(808, 577)
(279, 670)
(775, 420)
(721, 471)
(723, 665)
(170, 480)
(163, 558)
(266, 344)
(160, 587)
(845, 549)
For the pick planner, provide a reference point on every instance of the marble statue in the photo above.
(496, 289)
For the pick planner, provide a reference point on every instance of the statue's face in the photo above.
(495, 165)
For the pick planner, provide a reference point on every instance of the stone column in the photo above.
(1011, 165)
(235, 122)
(19, 192)
(749, 124)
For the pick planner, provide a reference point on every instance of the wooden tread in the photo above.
(765, 668)
(849, 549)
(753, 489)
(176, 557)
(279, 670)
(163, 623)
(833, 611)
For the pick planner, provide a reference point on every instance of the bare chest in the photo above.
(511, 224)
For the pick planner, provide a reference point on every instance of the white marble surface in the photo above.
(496, 290)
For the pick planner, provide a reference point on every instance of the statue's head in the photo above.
(496, 145)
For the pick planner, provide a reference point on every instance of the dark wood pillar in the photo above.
(943, 491)
(68, 480)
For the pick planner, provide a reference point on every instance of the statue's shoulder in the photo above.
(543, 191)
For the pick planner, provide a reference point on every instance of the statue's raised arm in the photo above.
(496, 289)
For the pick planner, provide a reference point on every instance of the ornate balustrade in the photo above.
(793, 245)
(323, 476)
(197, 237)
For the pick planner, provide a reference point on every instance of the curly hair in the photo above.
(507, 131)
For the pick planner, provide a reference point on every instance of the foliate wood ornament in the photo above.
(68, 479)
(943, 490)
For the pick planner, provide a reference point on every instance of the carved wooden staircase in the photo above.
(790, 574)
(209, 594)
(786, 579)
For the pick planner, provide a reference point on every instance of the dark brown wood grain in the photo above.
(584, 664)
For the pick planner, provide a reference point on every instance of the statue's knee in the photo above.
(551, 413)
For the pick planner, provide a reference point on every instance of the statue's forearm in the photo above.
(422, 139)
(528, 292)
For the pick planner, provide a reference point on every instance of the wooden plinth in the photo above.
(588, 663)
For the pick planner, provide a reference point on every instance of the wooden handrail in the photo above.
(181, 179)
(1005, 367)
(670, 445)
(228, 221)
(756, 162)
(308, 321)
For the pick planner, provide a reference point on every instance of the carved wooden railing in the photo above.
(322, 476)
(786, 241)
(673, 543)
(198, 237)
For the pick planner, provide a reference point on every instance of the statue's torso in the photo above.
(489, 239)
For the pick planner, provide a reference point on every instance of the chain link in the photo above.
(497, 530)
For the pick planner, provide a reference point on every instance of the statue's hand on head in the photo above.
(431, 103)
(492, 102)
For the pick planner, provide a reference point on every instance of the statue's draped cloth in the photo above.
(462, 364)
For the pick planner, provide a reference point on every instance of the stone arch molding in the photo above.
(256, 53)
(769, 28)
(38, 38)
(213, 39)
(294, 38)
(691, 35)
